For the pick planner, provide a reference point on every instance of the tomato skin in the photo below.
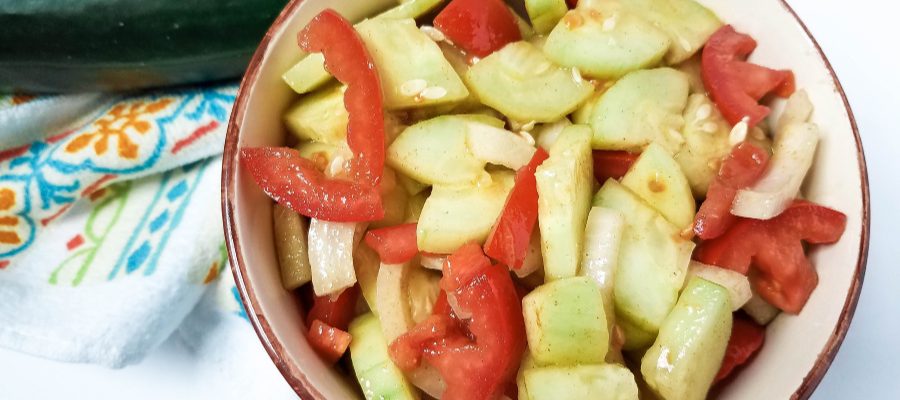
(746, 339)
(735, 85)
(781, 273)
(347, 58)
(741, 169)
(610, 164)
(329, 342)
(294, 181)
(480, 27)
(480, 357)
(297, 183)
(337, 311)
(508, 240)
(394, 244)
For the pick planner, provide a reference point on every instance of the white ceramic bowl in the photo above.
(798, 349)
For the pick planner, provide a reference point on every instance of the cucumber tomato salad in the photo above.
(593, 204)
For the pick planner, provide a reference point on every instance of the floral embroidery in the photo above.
(119, 123)
(8, 222)
(130, 138)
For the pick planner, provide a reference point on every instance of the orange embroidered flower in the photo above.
(7, 222)
(119, 122)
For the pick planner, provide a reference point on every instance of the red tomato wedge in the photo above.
(740, 170)
(394, 244)
(480, 27)
(781, 272)
(297, 183)
(479, 357)
(508, 240)
(746, 339)
(572, 3)
(735, 85)
(329, 342)
(294, 181)
(335, 311)
(347, 58)
(610, 164)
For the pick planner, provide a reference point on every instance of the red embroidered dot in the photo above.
(74, 242)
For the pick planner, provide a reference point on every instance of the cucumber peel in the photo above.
(643, 107)
(688, 352)
(653, 263)
(605, 42)
(520, 82)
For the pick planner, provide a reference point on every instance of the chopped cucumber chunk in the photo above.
(643, 107)
(367, 263)
(657, 178)
(525, 29)
(435, 152)
(565, 182)
(290, 245)
(320, 116)
(594, 382)
(413, 70)
(520, 82)
(687, 23)
(705, 143)
(456, 215)
(378, 377)
(309, 73)
(653, 261)
(321, 153)
(544, 14)
(410, 9)
(565, 323)
(688, 352)
(423, 290)
(605, 42)
(527, 365)
(392, 299)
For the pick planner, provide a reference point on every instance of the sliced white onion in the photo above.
(392, 300)
(547, 134)
(498, 146)
(797, 111)
(331, 247)
(761, 311)
(793, 153)
(534, 260)
(459, 311)
(602, 237)
(736, 283)
(428, 379)
(433, 262)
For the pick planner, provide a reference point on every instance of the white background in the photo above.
(861, 40)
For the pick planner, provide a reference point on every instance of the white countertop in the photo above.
(861, 42)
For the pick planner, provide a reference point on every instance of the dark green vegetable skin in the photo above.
(78, 45)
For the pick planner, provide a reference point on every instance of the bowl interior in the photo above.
(798, 348)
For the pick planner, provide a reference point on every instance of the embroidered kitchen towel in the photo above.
(110, 227)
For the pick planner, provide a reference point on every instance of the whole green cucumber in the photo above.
(79, 45)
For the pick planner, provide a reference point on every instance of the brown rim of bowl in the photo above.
(301, 384)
